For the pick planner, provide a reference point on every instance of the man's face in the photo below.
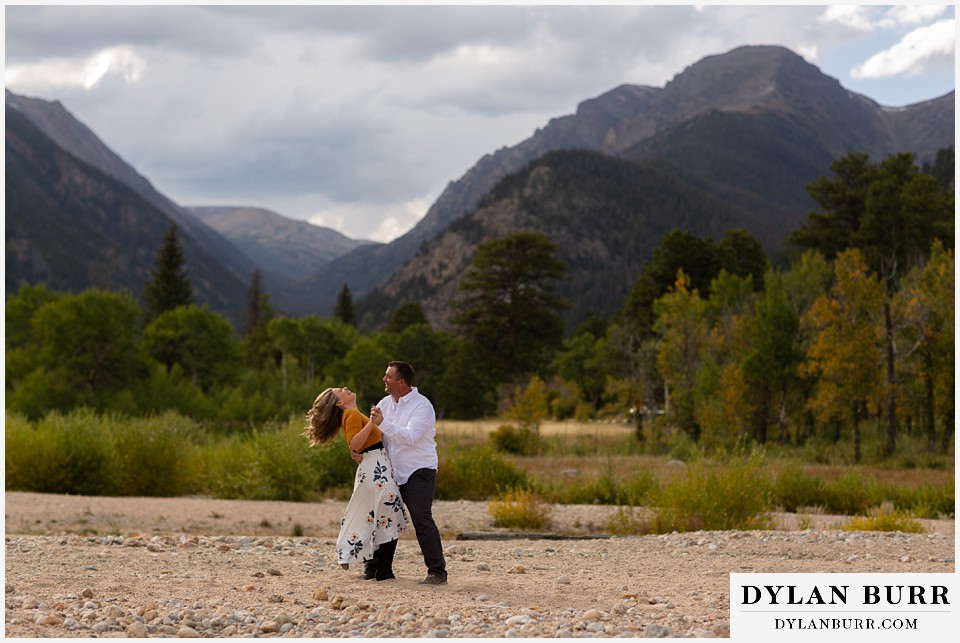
(391, 384)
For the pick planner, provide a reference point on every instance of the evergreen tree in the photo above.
(169, 285)
(344, 310)
(259, 312)
(409, 313)
(509, 312)
(943, 168)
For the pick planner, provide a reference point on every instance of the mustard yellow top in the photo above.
(353, 422)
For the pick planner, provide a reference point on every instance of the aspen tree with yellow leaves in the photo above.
(846, 350)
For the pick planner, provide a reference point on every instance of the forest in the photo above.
(845, 354)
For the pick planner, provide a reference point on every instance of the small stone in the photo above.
(187, 633)
(517, 569)
(136, 630)
(275, 598)
(563, 580)
(49, 619)
(274, 572)
(87, 593)
(483, 567)
(248, 588)
(905, 559)
(320, 594)
(269, 626)
(592, 615)
(10, 589)
(519, 619)
(656, 631)
(483, 597)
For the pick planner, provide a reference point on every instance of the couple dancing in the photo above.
(403, 423)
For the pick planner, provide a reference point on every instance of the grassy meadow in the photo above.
(681, 489)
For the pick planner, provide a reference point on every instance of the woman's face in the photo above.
(345, 397)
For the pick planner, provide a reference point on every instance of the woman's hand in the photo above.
(357, 457)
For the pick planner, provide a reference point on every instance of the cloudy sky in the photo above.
(356, 117)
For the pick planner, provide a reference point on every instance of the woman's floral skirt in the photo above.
(375, 513)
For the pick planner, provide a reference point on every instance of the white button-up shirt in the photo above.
(409, 433)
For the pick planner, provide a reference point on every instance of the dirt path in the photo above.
(89, 566)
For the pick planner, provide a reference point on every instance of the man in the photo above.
(409, 426)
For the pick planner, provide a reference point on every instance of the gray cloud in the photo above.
(357, 116)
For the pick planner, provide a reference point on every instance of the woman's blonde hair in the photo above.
(323, 418)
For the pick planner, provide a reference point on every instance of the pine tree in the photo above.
(509, 311)
(259, 312)
(344, 309)
(169, 285)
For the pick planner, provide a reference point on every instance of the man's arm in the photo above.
(422, 422)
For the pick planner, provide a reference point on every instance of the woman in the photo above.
(375, 516)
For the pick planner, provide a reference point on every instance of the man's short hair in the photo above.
(404, 371)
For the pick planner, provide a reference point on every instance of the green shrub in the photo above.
(155, 456)
(930, 501)
(276, 463)
(851, 495)
(522, 441)
(230, 469)
(478, 474)
(70, 453)
(734, 495)
(605, 489)
(519, 508)
(793, 489)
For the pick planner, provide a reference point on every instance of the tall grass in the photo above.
(168, 455)
(60, 454)
(735, 495)
(476, 474)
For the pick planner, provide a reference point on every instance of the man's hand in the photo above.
(357, 457)
(376, 415)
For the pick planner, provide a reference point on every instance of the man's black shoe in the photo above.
(385, 575)
(369, 572)
(434, 579)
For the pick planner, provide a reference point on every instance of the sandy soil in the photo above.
(146, 567)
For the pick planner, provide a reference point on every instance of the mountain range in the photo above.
(756, 124)
(731, 141)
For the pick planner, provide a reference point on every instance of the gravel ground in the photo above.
(191, 567)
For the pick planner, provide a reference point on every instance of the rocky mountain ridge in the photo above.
(765, 103)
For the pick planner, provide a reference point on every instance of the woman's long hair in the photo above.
(323, 418)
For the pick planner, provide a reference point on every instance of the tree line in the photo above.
(712, 344)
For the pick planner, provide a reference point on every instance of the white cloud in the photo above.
(809, 52)
(51, 73)
(375, 221)
(856, 17)
(911, 15)
(911, 53)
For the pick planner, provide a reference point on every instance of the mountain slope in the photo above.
(72, 226)
(606, 215)
(286, 250)
(214, 254)
(756, 120)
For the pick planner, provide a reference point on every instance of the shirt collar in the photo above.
(406, 398)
